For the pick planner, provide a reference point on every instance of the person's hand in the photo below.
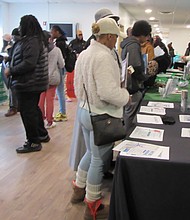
(7, 72)
(184, 58)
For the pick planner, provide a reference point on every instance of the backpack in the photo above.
(70, 59)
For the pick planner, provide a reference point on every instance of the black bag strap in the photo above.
(87, 98)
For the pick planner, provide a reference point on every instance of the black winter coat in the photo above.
(77, 45)
(61, 43)
(29, 65)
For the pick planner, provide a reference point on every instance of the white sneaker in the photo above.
(52, 125)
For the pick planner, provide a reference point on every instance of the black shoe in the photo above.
(44, 139)
(29, 147)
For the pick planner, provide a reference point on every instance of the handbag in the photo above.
(107, 129)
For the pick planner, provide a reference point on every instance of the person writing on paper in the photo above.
(163, 59)
(98, 71)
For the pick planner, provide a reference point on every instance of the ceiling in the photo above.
(168, 13)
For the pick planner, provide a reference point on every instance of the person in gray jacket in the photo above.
(55, 63)
(131, 49)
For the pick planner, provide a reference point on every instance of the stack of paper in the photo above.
(150, 119)
(184, 118)
(153, 110)
(146, 133)
(161, 104)
(143, 150)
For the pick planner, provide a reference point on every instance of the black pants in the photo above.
(31, 116)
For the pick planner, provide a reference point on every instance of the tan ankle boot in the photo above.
(78, 194)
(96, 210)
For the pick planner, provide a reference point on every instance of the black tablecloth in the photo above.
(150, 189)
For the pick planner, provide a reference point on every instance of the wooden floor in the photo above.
(37, 186)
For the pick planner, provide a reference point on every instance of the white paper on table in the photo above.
(161, 104)
(146, 133)
(143, 150)
(184, 118)
(149, 119)
(185, 132)
(153, 110)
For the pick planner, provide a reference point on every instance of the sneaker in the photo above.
(60, 117)
(29, 147)
(11, 112)
(50, 125)
(44, 139)
(68, 100)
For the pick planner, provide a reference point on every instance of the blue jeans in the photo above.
(93, 160)
(60, 91)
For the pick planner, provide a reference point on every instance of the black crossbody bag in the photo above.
(107, 129)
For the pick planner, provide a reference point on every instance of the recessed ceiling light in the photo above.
(166, 12)
(188, 26)
(155, 25)
(152, 18)
(148, 10)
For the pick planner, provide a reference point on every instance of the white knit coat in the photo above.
(99, 71)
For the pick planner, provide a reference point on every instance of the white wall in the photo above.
(4, 21)
(82, 13)
(180, 39)
(125, 18)
(67, 12)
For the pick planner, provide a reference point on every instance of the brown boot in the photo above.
(78, 194)
(11, 112)
(96, 210)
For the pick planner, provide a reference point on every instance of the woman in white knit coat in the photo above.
(97, 69)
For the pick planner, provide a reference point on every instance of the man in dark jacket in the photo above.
(29, 73)
(131, 50)
(78, 44)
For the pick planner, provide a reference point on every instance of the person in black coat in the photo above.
(187, 51)
(29, 76)
(163, 61)
(78, 44)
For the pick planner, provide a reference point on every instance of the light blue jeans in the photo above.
(93, 160)
(60, 91)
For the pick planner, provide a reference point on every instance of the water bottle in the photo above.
(185, 73)
(184, 97)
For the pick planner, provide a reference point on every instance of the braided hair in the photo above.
(29, 26)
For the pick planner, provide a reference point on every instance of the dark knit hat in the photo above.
(15, 32)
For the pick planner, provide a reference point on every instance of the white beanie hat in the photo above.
(108, 26)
